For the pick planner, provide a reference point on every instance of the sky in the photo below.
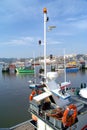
(22, 26)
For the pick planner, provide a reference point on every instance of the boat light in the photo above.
(44, 10)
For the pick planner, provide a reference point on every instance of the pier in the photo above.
(22, 126)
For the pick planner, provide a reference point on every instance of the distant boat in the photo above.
(9, 68)
(29, 70)
(83, 65)
(5, 68)
(72, 69)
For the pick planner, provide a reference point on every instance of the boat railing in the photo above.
(43, 115)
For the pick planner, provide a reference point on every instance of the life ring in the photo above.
(31, 97)
(33, 93)
(69, 119)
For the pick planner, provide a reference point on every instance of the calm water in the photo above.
(14, 93)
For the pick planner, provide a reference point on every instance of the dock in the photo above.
(22, 126)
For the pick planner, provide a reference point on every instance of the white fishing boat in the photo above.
(56, 106)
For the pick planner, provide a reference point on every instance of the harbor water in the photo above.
(14, 95)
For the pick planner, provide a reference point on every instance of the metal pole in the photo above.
(64, 65)
(45, 20)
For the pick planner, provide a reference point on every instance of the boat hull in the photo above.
(31, 71)
(72, 69)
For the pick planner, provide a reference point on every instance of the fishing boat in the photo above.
(5, 68)
(72, 67)
(56, 106)
(8, 68)
(29, 70)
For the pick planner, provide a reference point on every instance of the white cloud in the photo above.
(22, 41)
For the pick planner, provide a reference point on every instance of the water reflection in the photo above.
(83, 71)
(8, 75)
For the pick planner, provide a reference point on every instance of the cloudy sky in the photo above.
(21, 27)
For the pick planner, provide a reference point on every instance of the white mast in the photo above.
(64, 66)
(45, 20)
(34, 69)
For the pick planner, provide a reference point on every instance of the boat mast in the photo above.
(45, 20)
(64, 67)
(34, 69)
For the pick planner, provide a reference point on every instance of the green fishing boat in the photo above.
(29, 70)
